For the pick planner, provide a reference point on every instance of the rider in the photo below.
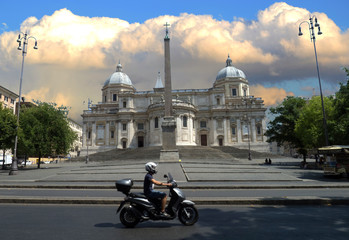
(148, 186)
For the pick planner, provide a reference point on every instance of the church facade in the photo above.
(224, 115)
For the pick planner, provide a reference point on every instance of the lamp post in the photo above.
(21, 40)
(313, 39)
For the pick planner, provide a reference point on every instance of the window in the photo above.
(245, 92)
(6, 99)
(114, 97)
(245, 130)
(234, 92)
(124, 127)
(111, 134)
(100, 132)
(89, 135)
(219, 124)
(124, 104)
(156, 123)
(233, 130)
(218, 101)
(185, 121)
(12, 101)
(105, 98)
(259, 130)
(193, 123)
(140, 126)
(203, 124)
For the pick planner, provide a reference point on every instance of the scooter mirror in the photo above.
(165, 176)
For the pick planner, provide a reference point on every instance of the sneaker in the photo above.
(165, 215)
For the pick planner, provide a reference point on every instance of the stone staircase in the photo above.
(185, 153)
(200, 152)
(125, 154)
(243, 153)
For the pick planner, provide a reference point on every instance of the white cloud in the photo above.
(77, 54)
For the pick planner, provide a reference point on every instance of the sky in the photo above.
(81, 42)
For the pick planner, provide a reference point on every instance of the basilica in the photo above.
(224, 115)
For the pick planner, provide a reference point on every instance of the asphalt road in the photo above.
(196, 193)
(87, 222)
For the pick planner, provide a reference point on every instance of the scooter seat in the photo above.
(138, 195)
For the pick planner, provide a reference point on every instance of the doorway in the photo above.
(220, 142)
(204, 140)
(140, 141)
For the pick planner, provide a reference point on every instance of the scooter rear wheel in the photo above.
(188, 215)
(128, 218)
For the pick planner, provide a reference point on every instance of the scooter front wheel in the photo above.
(188, 215)
(128, 218)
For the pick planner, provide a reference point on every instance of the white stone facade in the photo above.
(77, 145)
(8, 98)
(224, 115)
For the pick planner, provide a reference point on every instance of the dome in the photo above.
(118, 77)
(230, 71)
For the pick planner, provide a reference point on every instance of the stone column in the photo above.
(169, 149)
(239, 130)
(84, 132)
(119, 130)
(225, 128)
(253, 130)
(107, 133)
(93, 139)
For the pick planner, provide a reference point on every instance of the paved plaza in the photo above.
(191, 175)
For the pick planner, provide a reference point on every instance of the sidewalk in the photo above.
(207, 174)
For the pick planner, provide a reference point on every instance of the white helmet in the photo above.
(150, 167)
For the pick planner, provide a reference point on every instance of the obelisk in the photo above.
(169, 150)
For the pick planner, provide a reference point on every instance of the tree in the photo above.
(309, 126)
(8, 130)
(45, 132)
(341, 104)
(282, 128)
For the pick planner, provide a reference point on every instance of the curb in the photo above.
(136, 187)
(198, 201)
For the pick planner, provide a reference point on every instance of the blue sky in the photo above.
(80, 43)
(13, 13)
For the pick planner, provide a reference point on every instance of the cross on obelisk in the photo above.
(169, 150)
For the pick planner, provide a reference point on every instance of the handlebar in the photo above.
(171, 180)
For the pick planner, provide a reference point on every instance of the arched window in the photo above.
(156, 122)
(185, 121)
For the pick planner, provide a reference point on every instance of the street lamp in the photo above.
(312, 38)
(21, 40)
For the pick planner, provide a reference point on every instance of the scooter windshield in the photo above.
(170, 178)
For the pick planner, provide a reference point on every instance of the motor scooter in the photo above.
(136, 207)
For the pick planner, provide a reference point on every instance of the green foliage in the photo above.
(45, 131)
(341, 104)
(282, 128)
(8, 127)
(300, 123)
(309, 126)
